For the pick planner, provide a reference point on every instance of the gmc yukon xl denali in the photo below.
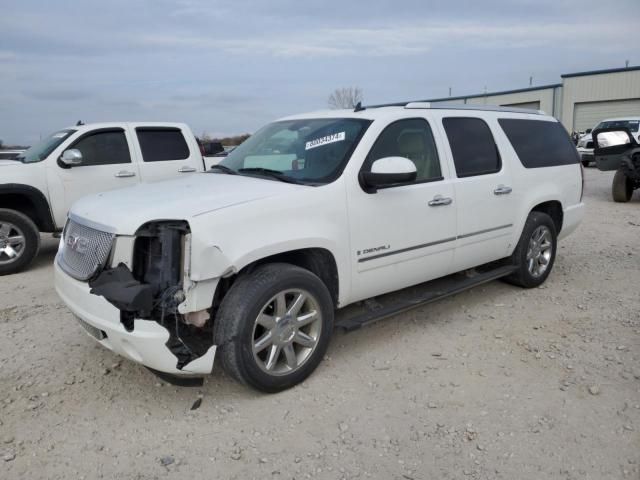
(258, 260)
(39, 185)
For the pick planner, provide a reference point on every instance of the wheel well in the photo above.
(554, 210)
(28, 201)
(22, 204)
(317, 260)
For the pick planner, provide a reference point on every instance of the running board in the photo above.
(390, 304)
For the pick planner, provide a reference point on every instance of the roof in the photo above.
(600, 72)
(97, 125)
(491, 94)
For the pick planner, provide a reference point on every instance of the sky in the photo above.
(228, 67)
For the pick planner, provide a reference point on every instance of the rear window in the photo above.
(162, 144)
(472, 145)
(540, 143)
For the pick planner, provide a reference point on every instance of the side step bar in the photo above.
(421, 295)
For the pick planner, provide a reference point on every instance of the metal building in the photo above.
(581, 101)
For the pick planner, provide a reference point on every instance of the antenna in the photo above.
(626, 64)
(449, 91)
(531, 80)
(358, 107)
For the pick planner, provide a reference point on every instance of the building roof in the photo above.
(600, 72)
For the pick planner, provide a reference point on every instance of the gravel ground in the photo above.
(494, 383)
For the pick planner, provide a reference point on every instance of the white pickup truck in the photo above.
(38, 187)
(256, 261)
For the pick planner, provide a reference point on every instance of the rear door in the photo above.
(483, 189)
(165, 152)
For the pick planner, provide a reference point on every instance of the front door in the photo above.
(106, 165)
(405, 234)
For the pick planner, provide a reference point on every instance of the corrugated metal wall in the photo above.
(597, 88)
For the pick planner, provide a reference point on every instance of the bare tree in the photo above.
(347, 97)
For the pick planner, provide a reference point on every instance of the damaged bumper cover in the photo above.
(143, 341)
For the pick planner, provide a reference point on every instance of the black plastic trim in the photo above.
(431, 244)
(44, 220)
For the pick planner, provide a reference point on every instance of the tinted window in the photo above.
(103, 148)
(539, 143)
(412, 139)
(472, 145)
(162, 144)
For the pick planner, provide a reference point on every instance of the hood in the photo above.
(124, 210)
(4, 163)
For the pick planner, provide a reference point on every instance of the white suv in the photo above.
(257, 261)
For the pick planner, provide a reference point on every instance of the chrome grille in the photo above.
(84, 250)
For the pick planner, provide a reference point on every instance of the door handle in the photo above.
(502, 190)
(439, 200)
(124, 174)
(186, 169)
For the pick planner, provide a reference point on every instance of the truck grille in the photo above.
(84, 250)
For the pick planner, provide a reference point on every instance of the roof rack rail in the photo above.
(419, 104)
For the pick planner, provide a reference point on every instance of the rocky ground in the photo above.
(494, 383)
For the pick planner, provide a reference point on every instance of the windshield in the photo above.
(309, 151)
(632, 125)
(44, 147)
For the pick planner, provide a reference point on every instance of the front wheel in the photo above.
(19, 241)
(536, 251)
(274, 326)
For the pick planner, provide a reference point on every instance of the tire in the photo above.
(14, 225)
(247, 344)
(622, 187)
(525, 253)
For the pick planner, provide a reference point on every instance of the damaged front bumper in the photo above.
(147, 343)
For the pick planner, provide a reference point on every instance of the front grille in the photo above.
(84, 250)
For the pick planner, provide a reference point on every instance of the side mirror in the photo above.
(606, 138)
(388, 171)
(71, 158)
(588, 130)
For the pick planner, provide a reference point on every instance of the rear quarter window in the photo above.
(162, 144)
(539, 143)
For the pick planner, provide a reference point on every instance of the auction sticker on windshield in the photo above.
(318, 142)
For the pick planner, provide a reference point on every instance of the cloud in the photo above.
(56, 94)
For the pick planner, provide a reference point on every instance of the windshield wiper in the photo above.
(224, 169)
(277, 174)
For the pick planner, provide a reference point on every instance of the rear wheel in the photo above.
(536, 251)
(274, 326)
(622, 187)
(19, 241)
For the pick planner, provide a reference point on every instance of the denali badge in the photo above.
(77, 243)
(374, 249)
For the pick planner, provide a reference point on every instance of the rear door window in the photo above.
(539, 143)
(162, 144)
(472, 145)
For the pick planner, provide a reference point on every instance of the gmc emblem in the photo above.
(77, 243)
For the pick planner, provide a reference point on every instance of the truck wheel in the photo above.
(622, 187)
(19, 241)
(536, 251)
(273, 327)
